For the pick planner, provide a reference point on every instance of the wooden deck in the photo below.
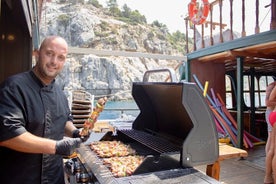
(237, 171)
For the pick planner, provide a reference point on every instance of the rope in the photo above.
(265, 17)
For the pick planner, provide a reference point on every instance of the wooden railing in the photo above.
(242, 11)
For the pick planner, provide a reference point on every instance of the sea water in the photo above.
(117, 109)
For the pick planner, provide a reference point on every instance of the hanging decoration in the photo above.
(198, 15)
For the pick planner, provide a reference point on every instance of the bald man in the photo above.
(34, 118)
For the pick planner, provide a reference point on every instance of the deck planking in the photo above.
(249, 170)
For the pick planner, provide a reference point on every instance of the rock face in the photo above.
(86, 26)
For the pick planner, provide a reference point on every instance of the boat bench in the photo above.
(225, 152)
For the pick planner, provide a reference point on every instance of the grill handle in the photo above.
(169, 70)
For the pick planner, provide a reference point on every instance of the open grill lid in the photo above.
(179, 113)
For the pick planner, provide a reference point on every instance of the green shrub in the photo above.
(63, 19)
(95, 3)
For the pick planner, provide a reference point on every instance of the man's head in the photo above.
(51, 57)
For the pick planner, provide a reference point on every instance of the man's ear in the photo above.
(36, 54)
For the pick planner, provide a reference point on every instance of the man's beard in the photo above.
(46, 73)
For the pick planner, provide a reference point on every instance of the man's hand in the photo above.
(76, 134)
(67, 146)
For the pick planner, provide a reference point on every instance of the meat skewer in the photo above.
(89, 123)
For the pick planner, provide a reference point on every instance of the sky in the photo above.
(172, 12)
(164, 11)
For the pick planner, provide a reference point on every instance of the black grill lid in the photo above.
(179, 113)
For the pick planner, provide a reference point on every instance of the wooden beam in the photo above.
(215, 24)
(235, 53)
(217, 56)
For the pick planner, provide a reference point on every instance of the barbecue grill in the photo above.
(174, 132)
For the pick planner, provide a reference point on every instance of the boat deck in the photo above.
(242, 171)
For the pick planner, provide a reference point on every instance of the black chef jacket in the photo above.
(28, 105)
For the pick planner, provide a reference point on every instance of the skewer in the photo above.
(89, 123)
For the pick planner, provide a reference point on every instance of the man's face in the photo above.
(51, 59)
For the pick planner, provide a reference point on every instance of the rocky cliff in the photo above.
(86, 26)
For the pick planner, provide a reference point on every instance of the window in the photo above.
(264, 82)
(259, 91)
(229, 93)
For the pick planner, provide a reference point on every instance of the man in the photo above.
(269, 148)
(34, 118)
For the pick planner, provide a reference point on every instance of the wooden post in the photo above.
(273, 15)
(202, 36)
(211, 25)
(187, 37)
(243, 19)
(213, 170)
(257, 28)
(194, 37)
(220, 21)
(231, 20)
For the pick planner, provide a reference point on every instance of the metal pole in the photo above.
(240, 101)
(252, 102)
(188, 70)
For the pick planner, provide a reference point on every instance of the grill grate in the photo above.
(155, 143)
